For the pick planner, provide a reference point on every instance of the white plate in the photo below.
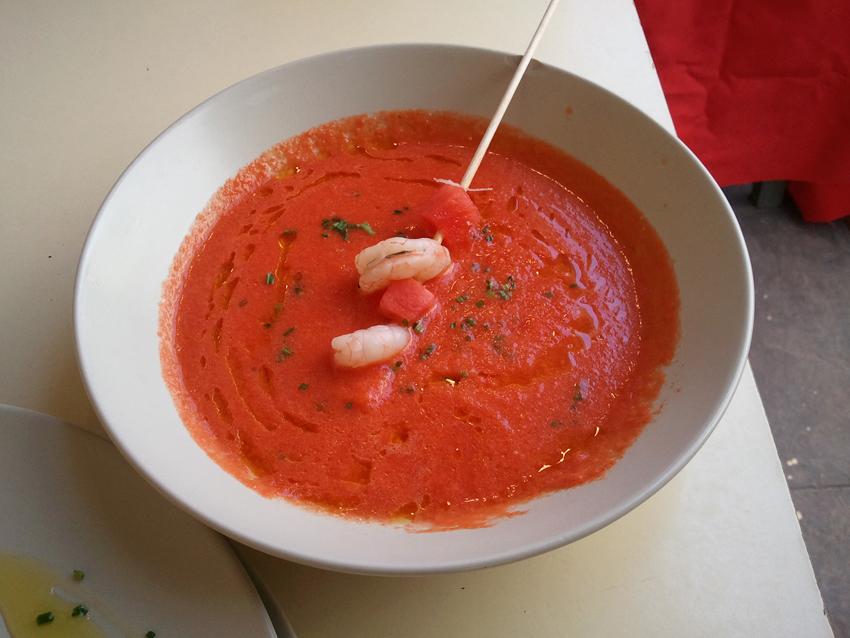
(70, 501)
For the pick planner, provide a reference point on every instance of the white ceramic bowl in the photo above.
(140, 226)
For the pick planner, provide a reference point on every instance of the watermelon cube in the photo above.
(451, 212)
(406, 299)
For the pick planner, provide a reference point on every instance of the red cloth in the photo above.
(759, 90)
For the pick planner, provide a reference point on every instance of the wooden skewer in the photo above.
(506, 98)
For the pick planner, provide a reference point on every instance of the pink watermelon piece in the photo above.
(451, 212)
(406, 299)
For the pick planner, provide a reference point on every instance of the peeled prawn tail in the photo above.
(400, 258)
(372, 345)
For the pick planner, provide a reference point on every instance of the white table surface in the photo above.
(84, 86)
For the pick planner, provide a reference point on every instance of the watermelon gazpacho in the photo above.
(522, 354)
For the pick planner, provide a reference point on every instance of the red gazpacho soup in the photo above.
(536, 364)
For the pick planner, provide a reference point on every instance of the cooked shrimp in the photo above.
(373, 345)
(400, 258)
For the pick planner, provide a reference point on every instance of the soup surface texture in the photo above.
(536, 369)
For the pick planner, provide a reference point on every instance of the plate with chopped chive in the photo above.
(88, 549)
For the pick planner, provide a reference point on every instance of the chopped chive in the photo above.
(349, 405)
(78, 575)
(479, 304)
(470, 321)
(79, 610)
(462, 298)
(43, 619)
(418, 328)
(453, 324)
(405, 323)
(397, 365)
(365, 226)
(286, 352)
(488, 238)
(267, 325)
(428, 351)
(269, 278)
(573, 285)
(243, 303)
(292, 231)
(555, 424)
(548, 294)
(398, 212)
(289, 332)
(303, 386)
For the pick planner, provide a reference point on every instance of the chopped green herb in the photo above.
(573, 285)
(293, 231)
(428, 351)
(398, 212)
(283, 354)
(243, 303)
(269, 278)
(555, 424)
(409, 390)
(405, 323)
(488, 238)
(470, 321)
(453, 324)
(278, 308)
(479, 304)
(418, 328)
(548, 294)
(401, 234)
(150, 634)
(462, 298)
(267, 325)
(397, 365)
(303, 386)
(43, 619)
(349, 405)
(79, 610)
(289, 332)
(342, 226)
(325, 235)
(78, 575)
